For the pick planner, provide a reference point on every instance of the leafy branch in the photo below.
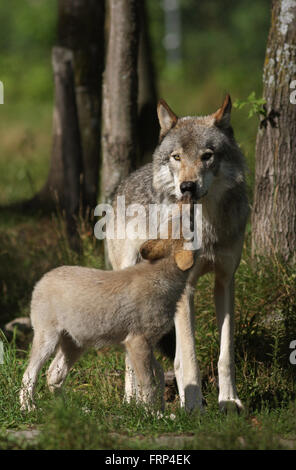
(257, 105)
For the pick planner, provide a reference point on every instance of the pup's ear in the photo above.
(167, 118)
(154, 249)
(223, 114)
(184, 259)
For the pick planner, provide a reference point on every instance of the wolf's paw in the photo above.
(193, 399)
(198, 407)
(231, 405)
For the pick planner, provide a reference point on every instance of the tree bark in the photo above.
(274, 210)
(120, 85)
(148, 126)
(80, 29)
(67, 128)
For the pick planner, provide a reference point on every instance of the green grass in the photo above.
(90, 414)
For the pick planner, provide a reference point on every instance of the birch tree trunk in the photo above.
(120, 86)
(274, 210)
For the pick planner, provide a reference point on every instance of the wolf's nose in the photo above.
(187, 186)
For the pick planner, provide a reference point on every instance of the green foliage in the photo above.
(255, 105)
(27, 26)
(28, 30)
(221, 42)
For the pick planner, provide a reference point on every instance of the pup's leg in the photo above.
(134, 388)
(130, 380)
(44, 344)
(186, 366)
(142, 360)
(121, 254)
(66, 356)
(224, 301)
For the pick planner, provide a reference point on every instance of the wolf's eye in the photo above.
(176, 157)
(206, 156)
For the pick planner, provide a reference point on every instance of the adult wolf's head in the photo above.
(196, 155)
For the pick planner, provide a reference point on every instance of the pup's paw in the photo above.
(28, 407)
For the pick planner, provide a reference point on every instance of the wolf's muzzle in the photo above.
(188, 186)
(192, 190)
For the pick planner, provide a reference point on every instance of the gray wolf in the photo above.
(74, 308)
(199, 156)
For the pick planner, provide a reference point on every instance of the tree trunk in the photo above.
(148, 126)
(80, 29)
(119, 140)
(67, 128)
(274, 211)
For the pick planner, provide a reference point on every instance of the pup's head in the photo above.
(196, 154)
(153, 250)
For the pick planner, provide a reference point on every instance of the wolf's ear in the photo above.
(184, 259)
(167, 118)
(154, 249)
(222, 115)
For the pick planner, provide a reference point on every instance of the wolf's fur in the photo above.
(207, 155)
(74, 308)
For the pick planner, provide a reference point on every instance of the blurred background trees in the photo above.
(222, 47)
(189, 52)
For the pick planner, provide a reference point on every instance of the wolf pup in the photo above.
(75, 308)
(198, 155)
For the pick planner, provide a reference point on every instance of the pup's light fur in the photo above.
(74, 308)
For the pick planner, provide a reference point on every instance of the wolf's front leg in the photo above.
(186, 366)
(224, 301)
